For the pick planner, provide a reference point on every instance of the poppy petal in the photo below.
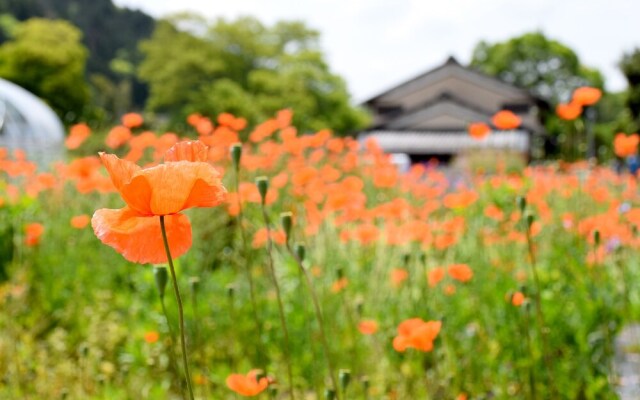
(138, 238)
(175, 186)
(192, 150)
(120, 171)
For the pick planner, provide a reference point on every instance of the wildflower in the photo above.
(398, 276)
(77, 135)
(339, 285)
(248, 385)
(80, 221)
(506, 120)
(368, 327)
(479, 130)
(586, 96)
(132, 120)
(625, 146)
(151, 337)
(117, 136)
(569, 111)
(460, 272)
(517, 299)
(33, 233)
(416, 333)
(435, 275)
(184, 181)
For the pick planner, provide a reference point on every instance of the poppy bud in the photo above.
(273, 391)
(406, 258)
(359, 307)
(161, 277)
(194, 283)
(365, 384)
(521, 202)
(329, 394)
(236, 154)
(340, 272)
(263, 185)
(530, 218)
(596, 237)
(345, 378)
(287, 220)
(231, 290)
(423, 258)
(301, 251)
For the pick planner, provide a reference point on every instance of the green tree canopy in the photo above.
(630, 66)
(247, 68)
(47, 58)
(547, 67)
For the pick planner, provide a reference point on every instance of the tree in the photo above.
(630, 66)
(245, 67)
(550, 69)
(47, 58)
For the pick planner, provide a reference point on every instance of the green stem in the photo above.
(174, 280)
(247, 266)
(172, 356)
(318, 312)
(283, 322)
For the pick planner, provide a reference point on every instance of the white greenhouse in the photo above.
(27, 123)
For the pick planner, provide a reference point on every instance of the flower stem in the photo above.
(174, 280)
(283, 322)
(318, 312)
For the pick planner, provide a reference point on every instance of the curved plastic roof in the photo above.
(26, 122)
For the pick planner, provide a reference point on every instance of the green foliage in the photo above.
(630, 66)
(547, 67)
(47, 58)
(247, 68)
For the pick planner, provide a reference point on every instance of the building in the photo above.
(27, 123)
(428, 116)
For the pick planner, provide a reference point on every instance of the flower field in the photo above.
(308, 267)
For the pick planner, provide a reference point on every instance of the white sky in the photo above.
(375, 44)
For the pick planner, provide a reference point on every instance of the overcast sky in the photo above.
(376, 44)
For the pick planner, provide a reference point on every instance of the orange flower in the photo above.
(479, 130)
(339, 285)
(368, 327)
(625, 146)
(184, 181)
(517, 299)
(80, 221)
(77, 135)
(118, 136)
(460, 272)
(247, 385)
(398, 275)
(569, 111)
(586, 96)
(506, 120)
(151, 337)
(416, 333)
(435, 275)
(132, 120)
(33, 233)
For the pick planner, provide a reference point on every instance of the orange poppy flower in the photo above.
(132, 120)
(586, 96)
(479, 130)
(339, 285)
(569, 111)
(460, 272)
(625, 146)
(118, 136)
(416, 333)
(151, 337)
(517, 299)
(184, 181)
(368, 327)
(506, 120)
(398, 276)
(435, 275)
(80, 221)
(247, 385)
(77, 135)
(33, 233)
